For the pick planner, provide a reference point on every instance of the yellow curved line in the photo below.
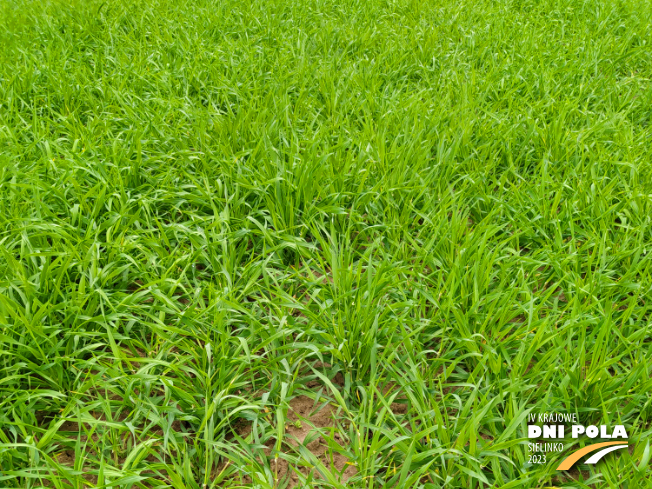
(569, 461)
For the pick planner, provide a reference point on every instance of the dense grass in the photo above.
(430, 217)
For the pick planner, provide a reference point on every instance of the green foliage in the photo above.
(432, 215)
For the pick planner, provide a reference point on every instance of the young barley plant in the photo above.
(302, 243)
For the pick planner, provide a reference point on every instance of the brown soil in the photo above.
(304, 419)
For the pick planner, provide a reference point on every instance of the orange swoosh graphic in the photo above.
(569, 461)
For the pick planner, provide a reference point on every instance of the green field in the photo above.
(309, 243)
